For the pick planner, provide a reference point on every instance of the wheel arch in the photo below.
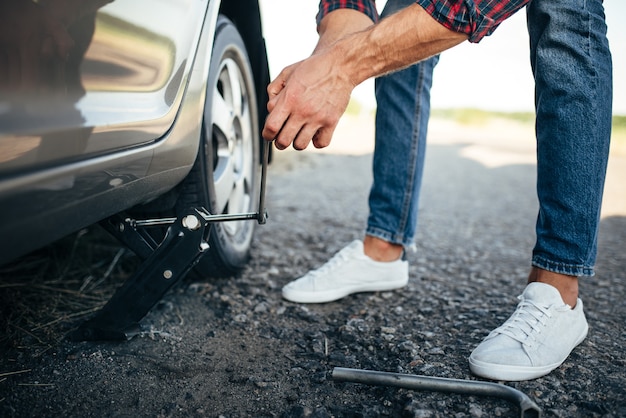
(246, 16)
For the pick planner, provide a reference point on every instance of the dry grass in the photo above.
(45, 294)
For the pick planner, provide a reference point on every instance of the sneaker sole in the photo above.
(516, 373)
(336, 294)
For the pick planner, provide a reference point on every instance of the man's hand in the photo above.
(306, 101)
(308, 98)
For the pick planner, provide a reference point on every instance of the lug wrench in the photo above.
(527, 407)
(260, 216)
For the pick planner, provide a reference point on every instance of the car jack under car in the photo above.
(164, 264)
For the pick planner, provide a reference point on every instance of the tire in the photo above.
(226, 175)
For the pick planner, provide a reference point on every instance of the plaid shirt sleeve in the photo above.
(364, 6)
(476, 18)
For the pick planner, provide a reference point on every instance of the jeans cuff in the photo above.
(408, 244)
(562, 268)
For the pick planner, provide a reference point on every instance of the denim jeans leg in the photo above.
(571, 63)
(402, 114)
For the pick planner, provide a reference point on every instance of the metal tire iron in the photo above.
(528, 409)
(164, 264)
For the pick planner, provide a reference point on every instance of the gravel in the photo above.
(233, 348)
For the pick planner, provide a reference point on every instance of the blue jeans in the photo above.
(571, 63)
(402, 114)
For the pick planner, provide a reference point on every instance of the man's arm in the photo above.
(307, 99)
(339, 23)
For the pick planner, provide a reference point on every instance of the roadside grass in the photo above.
(46, 293)
(478, 117)
(468, 116)
(618, 135)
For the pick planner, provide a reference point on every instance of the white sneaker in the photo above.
(535, 340)
(349, 271)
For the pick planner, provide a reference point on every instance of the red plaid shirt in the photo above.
(477, 18)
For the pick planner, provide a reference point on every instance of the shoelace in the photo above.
(337, 259)
(526, 322)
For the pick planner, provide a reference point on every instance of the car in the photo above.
(135, 109)
(140, 106)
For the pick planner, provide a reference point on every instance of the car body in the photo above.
(105, 107)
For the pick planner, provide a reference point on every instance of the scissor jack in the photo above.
(164, 264)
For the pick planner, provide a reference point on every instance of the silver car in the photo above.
(143, 108)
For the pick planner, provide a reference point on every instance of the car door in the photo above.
(97, 76)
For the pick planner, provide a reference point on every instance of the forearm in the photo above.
(338, 24)
(398, 41)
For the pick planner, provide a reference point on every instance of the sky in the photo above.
(500, 60)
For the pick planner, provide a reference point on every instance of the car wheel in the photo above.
(225, 178)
